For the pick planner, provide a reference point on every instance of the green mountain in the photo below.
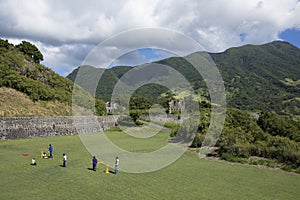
(262, 77)
(21, 71)
(105, 85)
(256, 77)
(109, 78)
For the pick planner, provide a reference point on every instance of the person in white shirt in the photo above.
(117, 165)
(64, 160)
(33, 162)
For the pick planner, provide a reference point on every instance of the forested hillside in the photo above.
(256, 77)
(20, 70)
(263, 77)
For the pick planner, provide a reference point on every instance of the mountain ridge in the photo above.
(255, 76)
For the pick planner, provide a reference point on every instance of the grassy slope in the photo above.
(17, 104)
(187, 178)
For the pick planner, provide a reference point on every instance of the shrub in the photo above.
(126, 121)
(231, 158)
(287, 168)
(174, 131)
(115, 128)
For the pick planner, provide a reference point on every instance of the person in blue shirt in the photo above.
(94, 161)
(50, 151)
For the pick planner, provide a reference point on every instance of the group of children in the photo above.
(94, 160)
(44, 155)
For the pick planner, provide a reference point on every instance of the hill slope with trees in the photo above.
(20, 70)
(256, 77)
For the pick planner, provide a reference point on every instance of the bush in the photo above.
(197, 142)
(253, 162)
(115, 128)
(126, 121)
(31, 51)
(171, 125)
(231, 158)
(174, 131)
(287, 168)
(100, 107)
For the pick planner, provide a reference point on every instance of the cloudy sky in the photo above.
(66, 31)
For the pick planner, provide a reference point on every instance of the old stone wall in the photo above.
(28, 127)
(177, 119)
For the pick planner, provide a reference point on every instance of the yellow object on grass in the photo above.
(106, 169)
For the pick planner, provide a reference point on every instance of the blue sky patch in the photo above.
(292, 36)
(242, 37)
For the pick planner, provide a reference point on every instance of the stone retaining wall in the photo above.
(167, 118)
(28, 127)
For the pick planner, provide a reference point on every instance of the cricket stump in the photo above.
(106, 169)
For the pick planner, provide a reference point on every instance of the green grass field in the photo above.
(187, 178)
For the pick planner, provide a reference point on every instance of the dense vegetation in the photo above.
(256, 77)
(20, 70)
(109, 78)
(246, 134)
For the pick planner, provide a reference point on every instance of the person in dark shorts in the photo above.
(50, 151)
(94, 161)
(117, 161)
(64, 160)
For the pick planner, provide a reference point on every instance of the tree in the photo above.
(4, 44)
(100, 107)
(31, 50)
(139, 103)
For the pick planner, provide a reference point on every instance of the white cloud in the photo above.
(131, 58)
(66, 30)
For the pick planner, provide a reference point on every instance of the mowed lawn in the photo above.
(187, 178)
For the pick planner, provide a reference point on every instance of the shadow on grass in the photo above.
(91, 169)
(110, 171)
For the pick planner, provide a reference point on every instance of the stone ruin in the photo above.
(176, 106)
